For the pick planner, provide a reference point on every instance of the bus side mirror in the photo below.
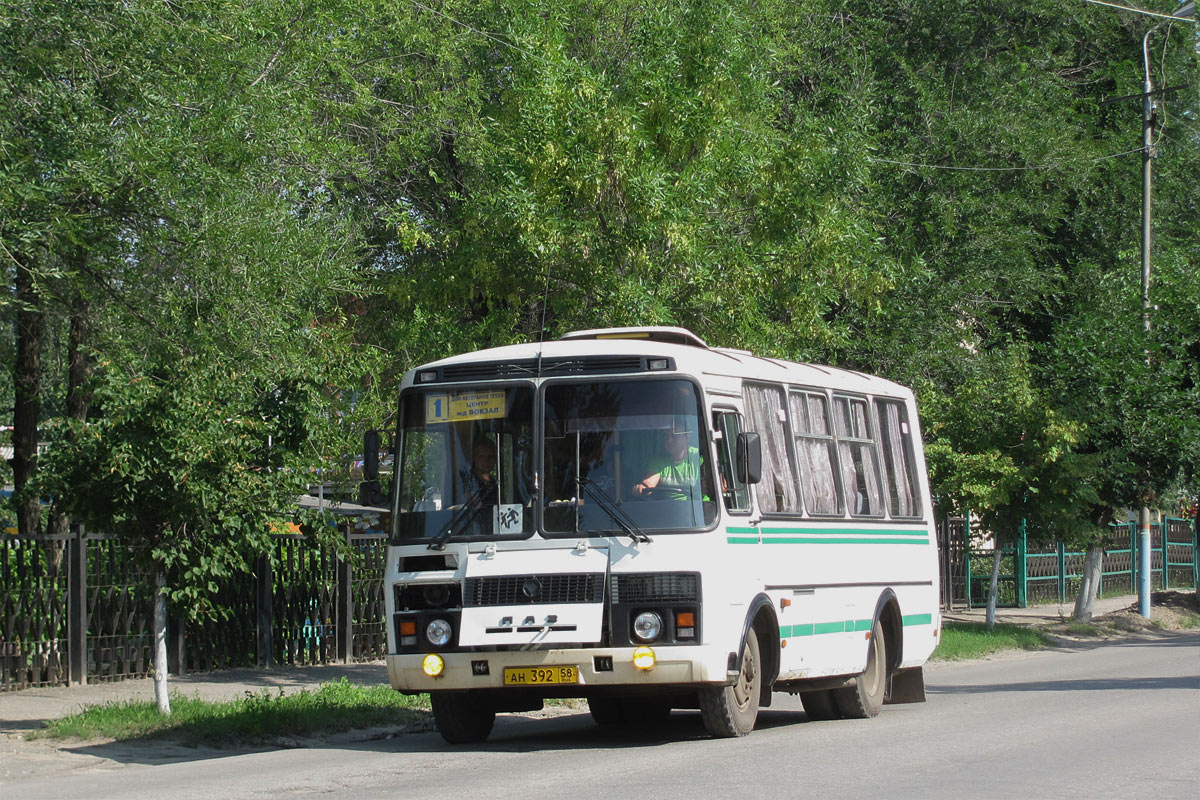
(749, 458)
(370, 493)
(371, 455)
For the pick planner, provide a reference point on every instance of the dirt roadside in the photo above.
(1114, 618)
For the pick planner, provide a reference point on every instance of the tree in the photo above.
(222, 362)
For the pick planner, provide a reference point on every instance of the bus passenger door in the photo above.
(735, 495)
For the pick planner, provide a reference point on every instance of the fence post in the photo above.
(1062, 572)
(967, 552)
(1166, 564)
(1195, 555)
(264, 591)
(77, 605)
(345, 604)
(1021, 568)
(1133, 558)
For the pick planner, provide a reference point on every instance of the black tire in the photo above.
(865, 698)
(606, 710)
(462, 718)
(730, 711)
(819, 705)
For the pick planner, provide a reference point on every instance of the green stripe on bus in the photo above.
(819, 628)
(742, 540)
(917, 619)
(823, 540)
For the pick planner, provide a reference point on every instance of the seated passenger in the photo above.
(679, 477)
(479, 482)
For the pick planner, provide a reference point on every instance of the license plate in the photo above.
(540, 676)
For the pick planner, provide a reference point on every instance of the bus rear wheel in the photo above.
(461, 717)
(865, 698)
(730, 711)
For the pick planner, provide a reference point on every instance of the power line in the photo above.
(1140, 11)
(1027, 168)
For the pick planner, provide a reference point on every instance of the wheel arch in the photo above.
(761, 618)
(887, 614)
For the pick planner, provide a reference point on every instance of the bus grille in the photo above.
(656, 587)
(510, 590)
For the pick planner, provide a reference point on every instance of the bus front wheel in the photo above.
(461, 717)
(730, 711)
(865, 698)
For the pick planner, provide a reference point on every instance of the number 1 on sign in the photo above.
(437, 409)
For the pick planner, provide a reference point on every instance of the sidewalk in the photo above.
(27, 709)
(1036, 615)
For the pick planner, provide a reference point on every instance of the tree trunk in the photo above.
(160, 642)
(994, 585)
(78, 398)
(27, 390)
(1093, 564)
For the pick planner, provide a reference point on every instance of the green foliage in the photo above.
(256, 718)
(267, 203)
(961, 641)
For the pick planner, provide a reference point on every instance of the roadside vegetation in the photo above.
(263, 718)
(966, 640)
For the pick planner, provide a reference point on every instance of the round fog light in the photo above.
(647, 626)
(438, 633)
(643, 658)
(433, 665)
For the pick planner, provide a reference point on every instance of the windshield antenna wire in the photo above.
(542, 332)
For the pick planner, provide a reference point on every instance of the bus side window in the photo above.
(728, 425)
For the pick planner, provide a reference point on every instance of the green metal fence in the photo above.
(1053, 574)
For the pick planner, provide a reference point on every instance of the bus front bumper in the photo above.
(595, 668)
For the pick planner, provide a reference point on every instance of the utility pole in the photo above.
(1185, 12)
(1145, 551)
(1145, 556)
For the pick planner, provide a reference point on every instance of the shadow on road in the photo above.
(1096, 685)
(512, 734)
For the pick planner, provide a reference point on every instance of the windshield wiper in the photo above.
(612, 508)
(461, 518)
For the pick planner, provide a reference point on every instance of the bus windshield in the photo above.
(625, 450)
(466, 463)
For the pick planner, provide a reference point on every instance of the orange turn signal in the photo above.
(685, 619)
(408, 628)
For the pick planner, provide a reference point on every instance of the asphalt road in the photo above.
(1112, 721)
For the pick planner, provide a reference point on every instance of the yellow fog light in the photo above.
(433, 664)
(643, 658)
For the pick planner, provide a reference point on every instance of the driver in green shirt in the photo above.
(679, 476)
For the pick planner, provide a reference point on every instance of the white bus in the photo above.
(633, 517)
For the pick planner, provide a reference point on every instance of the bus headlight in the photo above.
(433, 665)
(647, 626)
(438, 632)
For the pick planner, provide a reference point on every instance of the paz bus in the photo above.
(636, 518)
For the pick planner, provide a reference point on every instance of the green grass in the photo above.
(256, 718)
(966, 640)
